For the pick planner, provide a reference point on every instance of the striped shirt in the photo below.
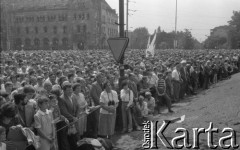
(161, 84)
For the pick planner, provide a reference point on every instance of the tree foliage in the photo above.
(140, 38)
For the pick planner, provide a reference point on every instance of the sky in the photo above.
(199, 16)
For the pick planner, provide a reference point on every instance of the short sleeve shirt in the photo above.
(106, 97)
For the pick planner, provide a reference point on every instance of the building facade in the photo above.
(60, 24)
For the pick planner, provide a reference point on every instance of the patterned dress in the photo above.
(82, 103)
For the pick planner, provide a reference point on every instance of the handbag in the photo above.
(72, 129)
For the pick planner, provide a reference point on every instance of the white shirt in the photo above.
(175, 75)
(126, 96)
(106, 97)
(3, 146)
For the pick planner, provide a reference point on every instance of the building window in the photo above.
(78, 28)
(65, 42)
(18, 43)
(75, 16)
(80, 16)
(18, 30)
(45, 29)
(36, 42)
(51, 18)
(27, 30)
(27, 42)
(84, 28)
(55, 30)
(62, 17)
(36, 30)
(88, 16)
(45, 42)
(83, 16)
(64, 29)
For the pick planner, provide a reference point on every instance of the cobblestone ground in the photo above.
(219, 105)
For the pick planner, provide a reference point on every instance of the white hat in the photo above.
(183, 61)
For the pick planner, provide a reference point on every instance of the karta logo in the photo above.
(153, 135)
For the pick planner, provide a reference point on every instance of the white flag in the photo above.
(150, 49)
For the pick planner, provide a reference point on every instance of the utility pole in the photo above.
(121, 34)
(175, 41)
(127, 20)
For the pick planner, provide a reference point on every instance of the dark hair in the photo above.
(42, 99)
(51, 74)
(66, 86)
(8, 84)
(8, 110)
(28, 89)
(70, 75)
(75, 85)
(18, 98)
(124, 83)
(61, 80)
(105, 84)
(56, 92)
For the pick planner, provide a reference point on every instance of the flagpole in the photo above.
(175, 41)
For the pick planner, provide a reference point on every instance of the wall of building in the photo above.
(73, 25)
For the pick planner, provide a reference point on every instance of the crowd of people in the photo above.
(55, 99)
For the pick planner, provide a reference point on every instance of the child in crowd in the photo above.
(44, 124)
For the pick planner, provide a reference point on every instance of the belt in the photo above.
(125, 101)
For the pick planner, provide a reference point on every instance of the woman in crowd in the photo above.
(82, 104)
(109, 103)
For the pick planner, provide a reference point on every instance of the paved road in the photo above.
(219, 105)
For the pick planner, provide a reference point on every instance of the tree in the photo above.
(235, 20)
(234, 33)
(140, 38)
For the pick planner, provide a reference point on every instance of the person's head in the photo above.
(33, 81)
(29, 91)
(125, 85)
(107, 86)
(43, 103)
(70, 77)
(59, 73)
(144, 79)
(67, 88)
(99, 78)
(76, 88)
(140, 99)
(61, 80)
(160, 75)
(8, 87)
(13, 78)
(40, 80)
(8, 111)
(56, 92)
(19, 99)
(52, 77)
(2, 134)
(47, 86)
(148, 95)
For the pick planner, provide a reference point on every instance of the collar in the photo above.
(43, 113)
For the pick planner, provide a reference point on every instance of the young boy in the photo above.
(2, 138)
(44, 124)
